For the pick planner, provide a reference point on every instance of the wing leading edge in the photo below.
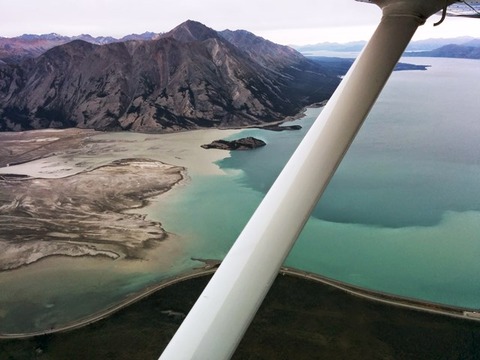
(224, 310)
(464, 8)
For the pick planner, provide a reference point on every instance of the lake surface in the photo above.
(402, 214)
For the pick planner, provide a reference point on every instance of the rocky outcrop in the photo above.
(281, 127)
(240, 144)
(188, 78)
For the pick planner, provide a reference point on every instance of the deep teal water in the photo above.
(402, 213)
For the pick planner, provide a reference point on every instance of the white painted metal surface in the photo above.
(221, 315)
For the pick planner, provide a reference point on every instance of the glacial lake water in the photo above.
(401, 215)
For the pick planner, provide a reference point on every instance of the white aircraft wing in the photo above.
(222, 313)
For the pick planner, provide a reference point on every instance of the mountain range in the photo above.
(450, 51)
(190, 77)
(16, 49)
(460, 47)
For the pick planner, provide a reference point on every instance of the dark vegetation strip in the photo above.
(299, 319)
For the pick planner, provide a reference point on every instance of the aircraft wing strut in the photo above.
(222, 313)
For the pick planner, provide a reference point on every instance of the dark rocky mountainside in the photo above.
(263, 51)
(189, 77)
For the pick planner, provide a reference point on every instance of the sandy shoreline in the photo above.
(39, 154)
(183, 149)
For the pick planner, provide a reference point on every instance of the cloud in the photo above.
(287, 22)
(120, 16)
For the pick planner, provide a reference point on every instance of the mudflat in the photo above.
(75, 211)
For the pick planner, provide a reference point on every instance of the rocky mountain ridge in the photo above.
(190, 77)
(17, 49)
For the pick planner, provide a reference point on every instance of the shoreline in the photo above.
(67, 158)
(72, 153)
(210, 267)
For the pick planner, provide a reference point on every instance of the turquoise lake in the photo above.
(402, 213)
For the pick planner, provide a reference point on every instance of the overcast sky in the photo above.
(283, 21)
